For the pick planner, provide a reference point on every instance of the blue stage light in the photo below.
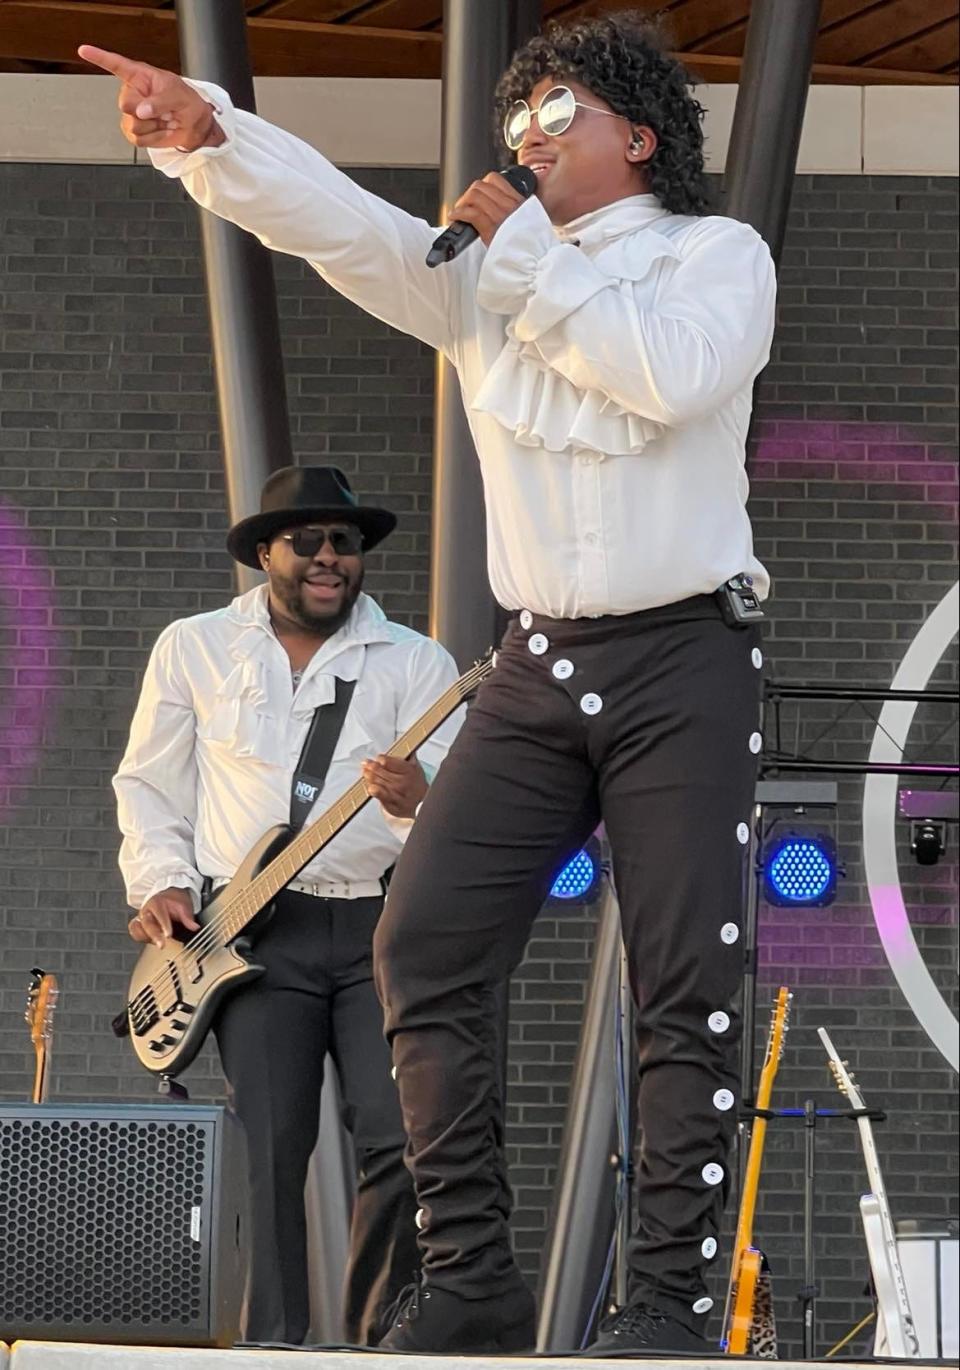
(800, 870)
(579, 877)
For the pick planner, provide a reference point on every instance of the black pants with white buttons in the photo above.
(649, 722)
(316, 996)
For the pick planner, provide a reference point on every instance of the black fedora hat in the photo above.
(305, 494)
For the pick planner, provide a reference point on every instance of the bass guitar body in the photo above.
(744, 1301)
(176, 989)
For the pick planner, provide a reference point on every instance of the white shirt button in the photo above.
(756, 742)
(712, 1173)
(526, 618)
(591, 704)
(393, 1072)
(419, 1219)
(591, 539)
(587, 460)
(723, 1099)
(719, 1021)
(708, 1248)
(563, 669)
(756, 656)
(538, 644)
(729, 933)
(743, 834)
(703, 1305)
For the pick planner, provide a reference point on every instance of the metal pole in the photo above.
(524, 19)
(248, 361)
(768, 118)
(809, 1292)
(625, 1148)
(582, 1224)
(872, 694)
(478, 40)
(943, 771)
(749, 1000)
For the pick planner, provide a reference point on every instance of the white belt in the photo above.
(333, 889)
(328, 889)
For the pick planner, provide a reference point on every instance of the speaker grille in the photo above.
(100, 1222)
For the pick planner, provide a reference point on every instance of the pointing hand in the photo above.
(159, 109)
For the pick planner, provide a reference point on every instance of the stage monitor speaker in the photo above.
(121, 1223)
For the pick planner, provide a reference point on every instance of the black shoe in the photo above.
(642, 1328)
(429, 1319)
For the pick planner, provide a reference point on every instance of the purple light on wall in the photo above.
(30, 649)
(879, 453)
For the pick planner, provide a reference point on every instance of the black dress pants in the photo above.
(648, 721)
(316, 995)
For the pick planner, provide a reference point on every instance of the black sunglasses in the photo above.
(346, 541)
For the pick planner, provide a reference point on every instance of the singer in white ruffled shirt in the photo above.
(607, 333)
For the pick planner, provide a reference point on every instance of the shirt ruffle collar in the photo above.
(259, 656)
(538, 405)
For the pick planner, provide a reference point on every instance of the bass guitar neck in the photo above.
(740, 1311)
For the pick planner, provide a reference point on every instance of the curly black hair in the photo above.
(623, 58)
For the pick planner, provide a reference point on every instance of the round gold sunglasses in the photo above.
(555, 114)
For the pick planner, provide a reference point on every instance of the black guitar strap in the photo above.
(325, 727)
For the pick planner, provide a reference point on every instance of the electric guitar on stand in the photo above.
(42, 998)
(896, 1331)
(740, 1316)
(175, 989)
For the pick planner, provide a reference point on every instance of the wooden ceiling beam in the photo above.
(693, 26)
(881, 26)
(727, 69)
(51, 30)
(935, 48)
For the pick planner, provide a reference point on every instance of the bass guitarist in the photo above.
(213, 760)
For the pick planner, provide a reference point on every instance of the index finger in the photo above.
(500, 182)
(114, 62)
(394, 765)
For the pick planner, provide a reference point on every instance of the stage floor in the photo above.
(48, 1355)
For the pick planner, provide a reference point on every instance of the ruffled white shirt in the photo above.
(607, 367)
(219, 728)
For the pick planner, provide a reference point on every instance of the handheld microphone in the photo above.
(459, 235)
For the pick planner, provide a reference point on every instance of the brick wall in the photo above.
(111, 524)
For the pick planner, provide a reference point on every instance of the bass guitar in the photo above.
(896, 1331)
(175, 989)
(742, 1295)
(42, 996)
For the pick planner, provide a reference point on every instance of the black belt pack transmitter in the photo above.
(739, 602)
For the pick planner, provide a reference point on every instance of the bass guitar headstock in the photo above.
(479, 671)
(42, 995)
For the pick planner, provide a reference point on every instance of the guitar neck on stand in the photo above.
(739, 1312)
(894, 1314)
(42, 996)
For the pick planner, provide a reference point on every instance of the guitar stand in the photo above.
(172, 1089)
(809, 1291)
